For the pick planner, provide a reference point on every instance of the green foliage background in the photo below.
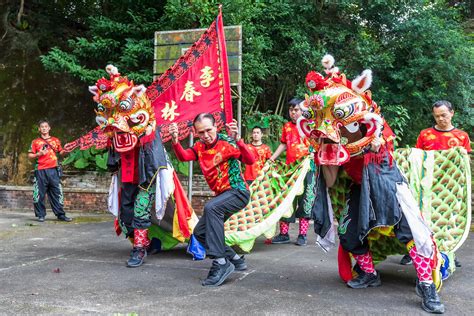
(88, 159)
(417, 49)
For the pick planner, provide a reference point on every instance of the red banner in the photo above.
(96, 138)
(198, 82)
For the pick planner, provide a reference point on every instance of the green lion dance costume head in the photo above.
(340, 118)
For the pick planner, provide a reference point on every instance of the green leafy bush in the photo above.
(89, 159)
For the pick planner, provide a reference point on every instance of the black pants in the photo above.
(47, 181)
(303, 204)
(135, 207)
(349, 223)
(209, 231)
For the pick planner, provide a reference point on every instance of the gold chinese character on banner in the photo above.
(169, 111)
(206, 76)
(189, 92)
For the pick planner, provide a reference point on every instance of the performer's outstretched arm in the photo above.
(247, 157)
(181, 153)
(281, 148)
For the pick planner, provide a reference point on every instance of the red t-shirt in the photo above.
(296, 147)
(50, 159)
(261, 153)
(433, 139)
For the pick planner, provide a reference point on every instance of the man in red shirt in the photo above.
(44, 150)
(442, 136)
(261, 152)
(296, 147)
(218, 157)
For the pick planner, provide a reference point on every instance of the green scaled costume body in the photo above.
(271, 198)
(441, 182)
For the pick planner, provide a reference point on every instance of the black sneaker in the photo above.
(239, 264)
(218, 273)
(281, 239)
(457, 263)
(406, 260)
(41, 219)
(64, 218)
(430, 299)
(301, 241)
(365, 280)
(137, 257)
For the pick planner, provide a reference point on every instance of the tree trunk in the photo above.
(20, 13)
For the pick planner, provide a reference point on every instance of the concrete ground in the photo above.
(79, 268)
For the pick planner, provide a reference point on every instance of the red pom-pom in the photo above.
(103, 84)
(315, 81)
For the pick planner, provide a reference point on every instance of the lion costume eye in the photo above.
(100, 107)
(126, 105)
(345, 111)
(108, 100)
(339, 113)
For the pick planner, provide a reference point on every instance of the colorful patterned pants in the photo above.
(303, 204)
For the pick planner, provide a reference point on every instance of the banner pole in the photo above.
(239, 109)
(239, 88)
(190, 171)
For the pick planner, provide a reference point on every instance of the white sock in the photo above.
(220, 260)
(236, 257)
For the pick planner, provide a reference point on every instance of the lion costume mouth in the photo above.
(332, 154)
(336, 143)
(124, 141)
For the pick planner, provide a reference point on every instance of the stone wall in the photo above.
(21, 198)
(201, 192)
(88, 192)
(86, 180)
